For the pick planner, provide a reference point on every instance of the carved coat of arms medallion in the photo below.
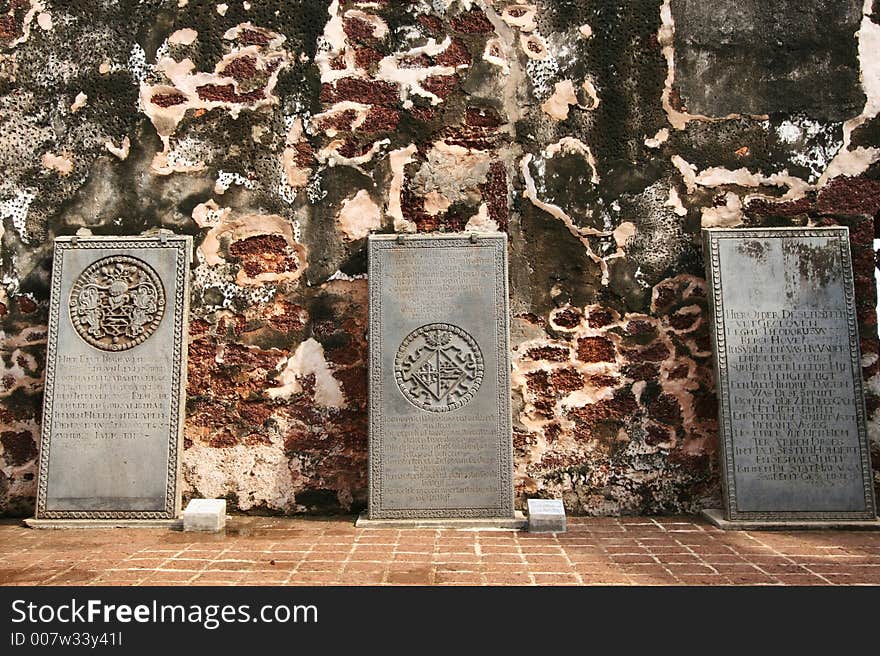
(117, 303)
(439, 367)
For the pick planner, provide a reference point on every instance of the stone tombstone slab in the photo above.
(788, 373)
(440, 426)
(115, 379)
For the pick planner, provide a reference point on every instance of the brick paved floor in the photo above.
(288, 551)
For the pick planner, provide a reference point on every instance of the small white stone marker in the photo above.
(205, 515)
(546, 516)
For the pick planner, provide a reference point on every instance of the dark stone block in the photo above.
(755, 57)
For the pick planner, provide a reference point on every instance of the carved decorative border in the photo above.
(183, 247)
(711, 239)
(504, 425)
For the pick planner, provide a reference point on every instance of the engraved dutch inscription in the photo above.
(115, 379)
(792, 415)
(440, 434)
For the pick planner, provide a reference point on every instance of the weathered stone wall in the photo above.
(600, 134)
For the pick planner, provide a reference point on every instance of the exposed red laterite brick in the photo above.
(705, 404)
(640, 328)
(664, 297)
(223, 440)
(291, 318)
(654, 353)
(643, 371)
(683, 320)
(305, 154)
(8, 382)
(167, 99)
(254, 412)
(595, 349)
(354, 384)
(552, 432)
(25, 304)
(263, 254)
(482, 117)
(665, 410)
(370, 92)
(381, 119)
(601, 380)
(599, 318)
(471, 22)
(457, 54)
(252, 38)
(845, 195)
(8, 27)
(338, 121)
(241, 68)
(425, 114)
(432, 24)
(538, 382)
(568, 318)
(3, 310)
(760, 207)
(566, 380)
(226, 93)
(352, 148)
(549, 353)
(678, 372)
(359, 31)
(364, 58)
(494, 193)
(655, 435)
(338, 62)
(249, 358)
(18, 448)
(620, 407)
(412, 207)
(440, 85)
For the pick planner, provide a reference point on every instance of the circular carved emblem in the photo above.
(439, 367)
(117, 303)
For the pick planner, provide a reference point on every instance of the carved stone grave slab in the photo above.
(115, 379)
(789, 377)
(440, 428)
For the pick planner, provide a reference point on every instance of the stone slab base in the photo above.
(716, 517)
(173, 524)
(517, 522)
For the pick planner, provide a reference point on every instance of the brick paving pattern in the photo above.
(292, 551)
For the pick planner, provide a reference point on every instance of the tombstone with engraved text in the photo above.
(115, 381)
(794, 447)
(440, 427)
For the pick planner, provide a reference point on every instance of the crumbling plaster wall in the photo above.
(600, 134)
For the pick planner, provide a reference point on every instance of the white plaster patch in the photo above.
(184, 37)
(725, 216)
(397, 160)
(122, 151)
(308, 359)
(359, 215)
(658, 139)
(62, 163)
(481, 222)
(257, 474)
(79, 102)
(556, 106)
